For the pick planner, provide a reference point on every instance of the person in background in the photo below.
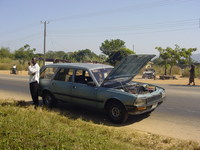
(192, 75)
(34, 74)
(14, 69)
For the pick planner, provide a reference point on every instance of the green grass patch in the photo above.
(23, 127)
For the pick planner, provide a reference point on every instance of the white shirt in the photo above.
(14, 67)
(34, 72)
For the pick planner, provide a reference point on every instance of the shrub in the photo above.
(176, 70)
(5, 66)
(186, 72)
(8, 63)
(6, 60)
(20, 67)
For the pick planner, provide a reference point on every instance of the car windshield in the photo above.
(101, 74)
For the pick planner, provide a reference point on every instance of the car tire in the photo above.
(117, 113)
(49, 100)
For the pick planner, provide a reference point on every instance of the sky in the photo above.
(85, 24)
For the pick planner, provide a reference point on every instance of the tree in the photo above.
(170, 56)
(69, 56)
(59, 54)
(55, 54)
(5, 52)
(186, 55)
(50, 54)
(116, 56)
(85, 55)
(164, 55)
(113, 45)
(174, 56)
(102, 58)
(24, 54)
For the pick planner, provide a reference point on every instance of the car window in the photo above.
(64, 74)
(101, 74)
(82, 76)
(48, 73)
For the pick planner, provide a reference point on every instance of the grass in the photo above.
(23, 127)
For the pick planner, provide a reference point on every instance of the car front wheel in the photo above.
(117, 113)
(49, 100)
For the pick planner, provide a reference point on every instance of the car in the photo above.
(103, 87)
(149, 73)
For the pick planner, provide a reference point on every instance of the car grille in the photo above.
(154, 98)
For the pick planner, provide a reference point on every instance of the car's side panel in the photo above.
(104, 94)
(45, 86)
(61, 90)
(84, 94)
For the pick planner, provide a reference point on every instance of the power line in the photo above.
(137, 7)
(33, 36)
(19, 29)
(118, 34)
(173, 25)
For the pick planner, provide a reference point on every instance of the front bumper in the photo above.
(137, 110)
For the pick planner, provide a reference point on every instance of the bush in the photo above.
(186, 72)
(176, 70)
(6, 60)
(6, 64)
(160, 70)
(197, 71)
(5, 67)
(20, 67)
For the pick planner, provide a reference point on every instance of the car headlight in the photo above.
(163, 94)
(140, 102)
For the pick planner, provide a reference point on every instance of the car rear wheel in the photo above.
(49, 100)
(117, 113)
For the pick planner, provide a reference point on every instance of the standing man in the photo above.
(192, 75)
(34, 75)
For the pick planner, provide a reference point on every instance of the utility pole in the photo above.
(199, 22)
(45, 24)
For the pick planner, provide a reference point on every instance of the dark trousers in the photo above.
(34, 92)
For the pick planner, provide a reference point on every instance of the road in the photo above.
(178, 116)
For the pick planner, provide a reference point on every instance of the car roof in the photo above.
(87, 66)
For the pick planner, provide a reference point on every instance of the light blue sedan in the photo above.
(101, 86)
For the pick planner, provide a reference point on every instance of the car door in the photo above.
(62, 84)
(84, 93)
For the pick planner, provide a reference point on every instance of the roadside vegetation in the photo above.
(176, 70)
(23, 127)
(171, 61)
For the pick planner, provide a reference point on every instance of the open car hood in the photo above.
(127, 69)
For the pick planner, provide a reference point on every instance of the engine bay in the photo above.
(137, 88)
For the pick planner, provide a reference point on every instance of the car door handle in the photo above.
(53, 84)
(74, 87)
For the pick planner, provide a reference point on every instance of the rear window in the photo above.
(64, 74)
(82, 76)
(48, 73)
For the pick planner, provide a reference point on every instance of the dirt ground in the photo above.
(179, 81)
(21, 73)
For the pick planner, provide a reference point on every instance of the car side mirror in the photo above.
(91, 83)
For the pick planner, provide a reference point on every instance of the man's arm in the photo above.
(32, 70)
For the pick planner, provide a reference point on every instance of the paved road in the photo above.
(178, 116)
